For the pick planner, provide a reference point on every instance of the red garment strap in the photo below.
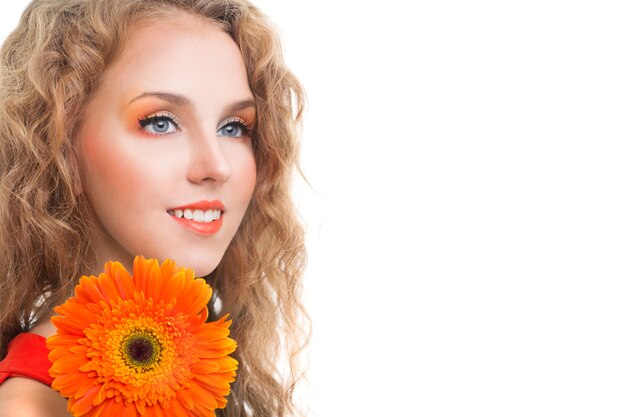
(27, 357)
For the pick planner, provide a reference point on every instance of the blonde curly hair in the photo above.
(49, 67)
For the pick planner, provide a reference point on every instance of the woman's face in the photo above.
(164, 136)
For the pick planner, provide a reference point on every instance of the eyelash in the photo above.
(153, 118)
(247, 128)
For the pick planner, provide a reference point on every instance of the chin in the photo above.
(201, 268)
(203, 271)
(202, 262)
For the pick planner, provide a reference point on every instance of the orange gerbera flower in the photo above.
(130, 346)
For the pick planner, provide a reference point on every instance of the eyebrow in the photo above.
(184, 101)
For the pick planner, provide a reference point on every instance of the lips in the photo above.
(202, 205)
(204, 217)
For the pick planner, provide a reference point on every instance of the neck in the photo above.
(44, 328)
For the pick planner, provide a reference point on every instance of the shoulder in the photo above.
(23, 397)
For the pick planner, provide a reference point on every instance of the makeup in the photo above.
(203, 217)
(160, 142)
(210, 228)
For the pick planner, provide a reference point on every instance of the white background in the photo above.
(467, 226)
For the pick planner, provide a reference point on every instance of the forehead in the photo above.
(182, 53)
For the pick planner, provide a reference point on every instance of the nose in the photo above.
(208, 162)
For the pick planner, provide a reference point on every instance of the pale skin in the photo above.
(133, 173)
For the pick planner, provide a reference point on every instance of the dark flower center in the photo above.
(141, 350)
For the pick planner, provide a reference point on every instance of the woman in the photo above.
(121, 123)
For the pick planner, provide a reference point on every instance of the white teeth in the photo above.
(211, 215)
(197, 215)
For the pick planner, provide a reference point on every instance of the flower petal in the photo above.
(205, 367)
(131, 410)
(86, 388)
(122, 279)
(108, 288)
(58, 353)
(140, 277)
(194, 298)
(168, 269)
(114, 314)
(87, 290)
(67, 325)
(68, 364)
(79, 312)
(85, 404)
(210, 333)
(68, 384)
(215, 353)
(176, 409)
(102, 410)
(175, 285)
(155, 282)
(199, 397)
(155, 411)
(101, 397)
(62, 340)
(184, 398)
(214, 380)
(115, 409)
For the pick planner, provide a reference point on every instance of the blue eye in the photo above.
(159, 124)
(235, 128)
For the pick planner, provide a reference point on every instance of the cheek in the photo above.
(248, 175)
(243, 165)
(107, 168)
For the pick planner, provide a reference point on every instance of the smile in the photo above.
(199, 221)
(197, 215)
(204, 217)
